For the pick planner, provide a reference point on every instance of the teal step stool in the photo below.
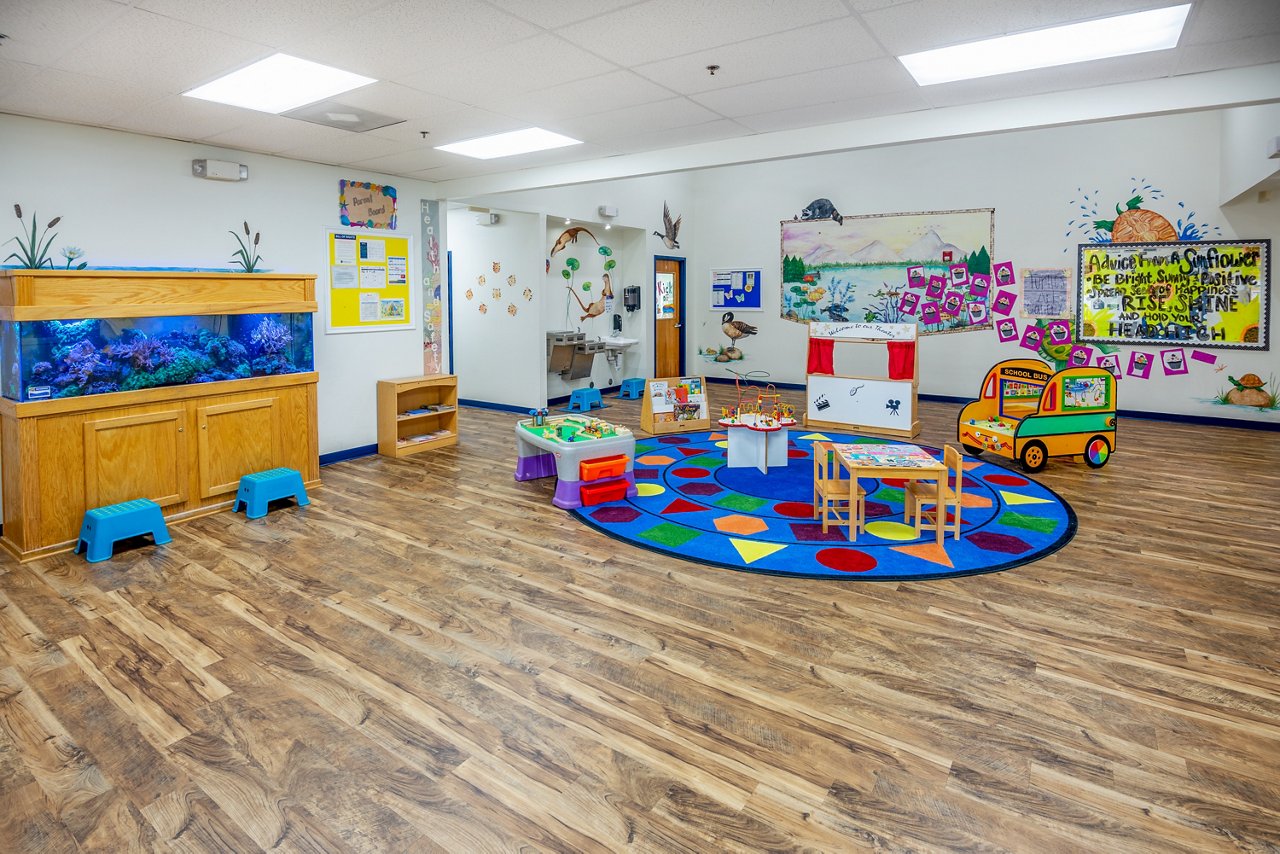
(103, 526)
(257, 489)
(585, 399)
(632, 388)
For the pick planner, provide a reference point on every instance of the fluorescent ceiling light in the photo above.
(278, 83)
(1157, 29)
(507, 144)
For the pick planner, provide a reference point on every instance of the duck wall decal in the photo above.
(671, 230)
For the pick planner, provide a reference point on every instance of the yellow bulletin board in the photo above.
(370, 281)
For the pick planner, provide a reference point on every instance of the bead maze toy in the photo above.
(591, 459)
(757, 427)
(1028, 413)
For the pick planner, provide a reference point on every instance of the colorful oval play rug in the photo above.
(692, 506)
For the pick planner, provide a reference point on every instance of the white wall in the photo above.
(130, 201)
(498, 357)
(1247, 136)
(1030, 178)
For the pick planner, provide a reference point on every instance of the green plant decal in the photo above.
(71, 253)
(241, 255)
(33, 252)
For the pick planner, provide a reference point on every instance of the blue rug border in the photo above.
(852, 577)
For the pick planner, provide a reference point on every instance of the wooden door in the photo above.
(668, 336)
(136, 456)
(235, 439)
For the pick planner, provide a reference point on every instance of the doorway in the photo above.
(668, 323)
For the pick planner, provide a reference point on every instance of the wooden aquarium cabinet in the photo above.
(183, 446)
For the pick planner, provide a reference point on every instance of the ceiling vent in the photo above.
(342, 116)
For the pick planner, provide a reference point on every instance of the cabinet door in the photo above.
(235, 439)
(136, 456)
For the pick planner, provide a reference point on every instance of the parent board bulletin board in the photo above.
(370, 281)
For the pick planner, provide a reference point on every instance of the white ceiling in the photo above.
(625, 76)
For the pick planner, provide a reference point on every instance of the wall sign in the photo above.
(665, 295)
(370, 283)
(365, 205)
(1207, 293)
(738, 290)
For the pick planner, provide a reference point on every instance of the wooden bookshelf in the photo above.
(417, 414)
(658, 423)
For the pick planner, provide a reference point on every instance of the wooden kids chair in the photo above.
(831, 492)
(917, 494)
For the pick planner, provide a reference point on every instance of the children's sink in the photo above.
(619, 343)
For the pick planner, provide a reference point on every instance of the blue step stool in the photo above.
(259, 488)
(585, 399)
(632, 388)
(103, 526)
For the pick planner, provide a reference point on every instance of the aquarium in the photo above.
(44, 359)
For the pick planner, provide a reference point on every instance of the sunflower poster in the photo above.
(1205, 293)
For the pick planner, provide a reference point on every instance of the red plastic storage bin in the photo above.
(599, 493)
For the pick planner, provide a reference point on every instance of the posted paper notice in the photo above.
(373, 277)
(370, 307)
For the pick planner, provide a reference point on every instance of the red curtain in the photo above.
(902, 360)
(821, 356)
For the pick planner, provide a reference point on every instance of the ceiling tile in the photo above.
(1083, 75)
(15, 74)
(141, 48)
(454, 126)
(407, 36)
(825, 45)
(655, 116)
(541, 62)
(275, 23)
(835, 112)
(926, 24)
(268, 134)
(77, 98)
(1222, 20)
(394, 99)
(195, 117)
(814, 87)
(345, 148)
(556, 13)
(1235, 54)
(405, 162)
(582, 97)
(42, 32)
(653, 140)
(662, 28)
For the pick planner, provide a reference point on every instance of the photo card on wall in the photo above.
(959, 274)
(916, 277)
(1111, 362)
(1003, 303)
(951, 304)
(977, 313)
(1007, 329)
(1032, 338)
(929, 313)
(1139, 365)
(937, 284)
(1174, 360)
(909, 303)
(1059, 331)
(1080, 356)
(979, 284)
(1002, 274)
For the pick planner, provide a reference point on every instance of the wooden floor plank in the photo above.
(431, 657)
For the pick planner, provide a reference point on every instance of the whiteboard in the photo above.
(861, 402)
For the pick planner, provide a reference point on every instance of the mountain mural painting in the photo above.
(856, 270)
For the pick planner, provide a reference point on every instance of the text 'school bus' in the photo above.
(1028, 413)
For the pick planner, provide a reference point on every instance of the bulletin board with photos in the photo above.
(370, 281)
(675, 405)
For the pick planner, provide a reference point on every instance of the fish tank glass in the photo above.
(43, 359)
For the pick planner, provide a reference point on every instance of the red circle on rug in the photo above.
(690, 473)
(895, 482)
(793, 509)
(794, 454)
(1004, 480)
(846, 560)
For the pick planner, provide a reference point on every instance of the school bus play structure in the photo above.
(1028, 413)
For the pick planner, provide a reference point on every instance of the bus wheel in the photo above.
(972, 450)
(1034, 456)
(1097, 452)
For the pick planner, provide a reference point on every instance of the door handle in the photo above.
(679, 326)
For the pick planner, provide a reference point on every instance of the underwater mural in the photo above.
(68, 358)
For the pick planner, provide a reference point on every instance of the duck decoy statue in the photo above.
(672, 229)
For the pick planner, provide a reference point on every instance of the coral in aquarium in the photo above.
(270, 339)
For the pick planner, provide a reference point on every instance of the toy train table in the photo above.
(591, 459)
(1028, 413)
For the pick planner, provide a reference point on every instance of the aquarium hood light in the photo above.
(1120, 35)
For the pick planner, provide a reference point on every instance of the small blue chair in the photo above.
(584, 400)
(104, 526)
(258, 489)
(632, 388)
